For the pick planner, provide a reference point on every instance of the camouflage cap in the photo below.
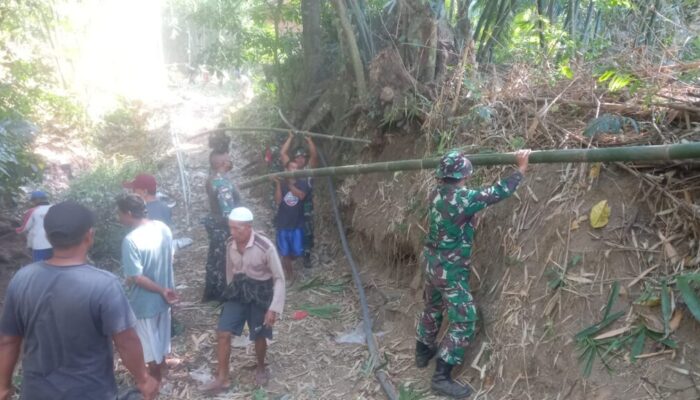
(454, 165)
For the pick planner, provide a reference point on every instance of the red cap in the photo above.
(142, 181)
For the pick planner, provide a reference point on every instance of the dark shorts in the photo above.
(290, 242)
(235, 314)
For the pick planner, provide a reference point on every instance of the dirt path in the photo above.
(305, 358)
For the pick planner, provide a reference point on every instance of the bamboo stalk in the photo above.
(248, 129)
(609, 154)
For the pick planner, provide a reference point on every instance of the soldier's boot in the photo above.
(424, 354)
(443, 384)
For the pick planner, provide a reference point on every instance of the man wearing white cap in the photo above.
(255, 295)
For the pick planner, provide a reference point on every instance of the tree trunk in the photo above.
(364, 31)
(652, 19)
(275, 50)
(485, 22)
(503, 12)
(311, 42)
(597, 24)
(428, 61)
(550, 11)
(589, 13)
(540, 24)
(355, 58)
(464, 34)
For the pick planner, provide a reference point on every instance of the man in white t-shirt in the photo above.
(33, 226)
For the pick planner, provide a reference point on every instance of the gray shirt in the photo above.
(159, 211)
(148, 251)
(66, 317)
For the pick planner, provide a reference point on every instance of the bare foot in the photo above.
(215, 386)
(262, 377)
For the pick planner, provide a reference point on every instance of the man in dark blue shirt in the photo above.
(289, 221)
(65, 314)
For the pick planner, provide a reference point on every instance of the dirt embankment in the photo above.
(541, 274)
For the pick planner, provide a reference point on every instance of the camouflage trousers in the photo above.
(447, 291)
(308, 228)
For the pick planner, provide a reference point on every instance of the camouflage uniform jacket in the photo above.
(451, 221)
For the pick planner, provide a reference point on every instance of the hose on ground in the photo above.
(380, 374)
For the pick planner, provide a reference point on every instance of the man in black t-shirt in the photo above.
(65, 314)
(289, 221)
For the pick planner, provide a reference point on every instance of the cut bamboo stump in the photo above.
(609, 154)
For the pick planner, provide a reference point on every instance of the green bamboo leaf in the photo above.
(670, 343)
(666, 306)
(588, 358)
(566, 71)
(638, 345)
(606, 75)
(592, 330)
(689, 295)
(615, 290)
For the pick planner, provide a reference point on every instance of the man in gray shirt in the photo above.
(144, 186)
(65, 314)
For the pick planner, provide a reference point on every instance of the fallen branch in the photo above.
(620, 108)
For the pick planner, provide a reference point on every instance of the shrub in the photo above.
(18, 165)
(98, 190)
(126, 131)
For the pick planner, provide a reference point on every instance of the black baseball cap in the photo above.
(68, 222)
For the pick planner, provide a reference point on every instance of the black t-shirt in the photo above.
(290, 214)
(66, 317)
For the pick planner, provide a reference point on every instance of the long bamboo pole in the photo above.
(609, 154)
(247, 129)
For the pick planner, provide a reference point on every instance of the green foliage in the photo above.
(517, 142)
(125, 131)
(29, 88)
(534, 38)
(689, 294)
(260, 394)
(406, 392)
(611, 124)
(321, 285)
(18, 165)
(617, 80)
(98, 190)
(326, 311)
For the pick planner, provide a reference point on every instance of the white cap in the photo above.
(241, 214)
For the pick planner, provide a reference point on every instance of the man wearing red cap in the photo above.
(144, 185)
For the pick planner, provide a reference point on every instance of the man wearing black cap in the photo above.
(304, 159)
(66, 314)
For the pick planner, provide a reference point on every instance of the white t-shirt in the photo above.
(36, 235)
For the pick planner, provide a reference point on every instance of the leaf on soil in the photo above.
(600, 214)
(689, 295)
(594, 172)
(612, 333)
(638, 345)
(666, 307)
(676, 320)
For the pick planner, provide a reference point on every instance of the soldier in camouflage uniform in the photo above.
(447, 253)
(304, 159)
